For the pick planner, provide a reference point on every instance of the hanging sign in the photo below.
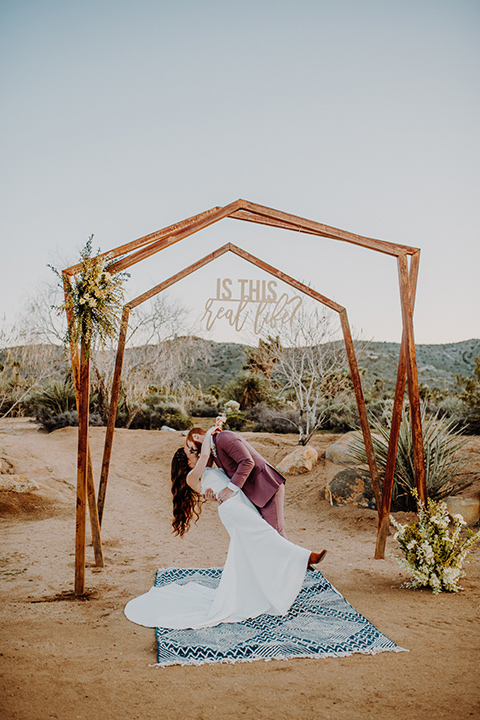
(260, 301)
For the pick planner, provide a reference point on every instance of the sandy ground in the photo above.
(72, 659)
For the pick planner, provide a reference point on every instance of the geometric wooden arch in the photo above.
(142, 248)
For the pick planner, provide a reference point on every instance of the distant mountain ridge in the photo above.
(438, 365)
(219, 362)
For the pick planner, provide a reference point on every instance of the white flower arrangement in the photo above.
(432, 554)
(93, 299)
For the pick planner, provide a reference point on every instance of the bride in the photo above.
(263, 572)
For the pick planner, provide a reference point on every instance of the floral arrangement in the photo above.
(430, 553)
(93, 298)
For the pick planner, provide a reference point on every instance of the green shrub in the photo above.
(236, 421)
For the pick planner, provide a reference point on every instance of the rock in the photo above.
(301, 460)
(339, 451)
(468, 508)
(351, 487)
(6, 467)
(18, 484)
(169, 429)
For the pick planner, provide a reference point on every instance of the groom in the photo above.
(248, 470)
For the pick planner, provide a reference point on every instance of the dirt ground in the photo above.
(78, 659)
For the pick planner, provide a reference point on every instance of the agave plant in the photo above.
(444, 458)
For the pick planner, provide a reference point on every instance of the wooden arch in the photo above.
(133, 252)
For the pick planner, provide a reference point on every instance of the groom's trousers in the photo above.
(272, 512)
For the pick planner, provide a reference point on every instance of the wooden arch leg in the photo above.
(112, 414)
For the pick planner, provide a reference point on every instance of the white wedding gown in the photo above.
(263, 573)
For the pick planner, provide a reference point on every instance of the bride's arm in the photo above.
(194, 477)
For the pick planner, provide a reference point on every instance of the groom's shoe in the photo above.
(315, 558)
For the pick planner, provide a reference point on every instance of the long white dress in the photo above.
(263, 573)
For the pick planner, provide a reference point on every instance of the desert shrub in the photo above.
(154, 417)
(452, 407)
(444, 459)
(236, 421)
(66, 419)
(248, 389)
(206, 406)
(470, 397)
(341, 418)
(268, 419)
(178, 421)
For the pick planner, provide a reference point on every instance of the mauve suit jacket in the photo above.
(246, 468)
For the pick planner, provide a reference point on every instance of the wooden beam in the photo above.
(294, 222)
(112, 414)
(412, 378)
(178, 276)
(362, 410)
(173, 238)
(286, 278)
(82, 473)
(93, 512)
(383, 520)
(146, 239)
(92, 503)
(387, 492)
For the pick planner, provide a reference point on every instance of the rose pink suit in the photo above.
(248, 470)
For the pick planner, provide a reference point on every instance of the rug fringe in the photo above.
(323, 656)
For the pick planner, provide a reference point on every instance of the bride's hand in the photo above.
(210, 495)
(219, 423)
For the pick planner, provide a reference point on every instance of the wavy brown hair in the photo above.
(186, 502)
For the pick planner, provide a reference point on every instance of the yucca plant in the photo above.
(56, 397)
(444, 458)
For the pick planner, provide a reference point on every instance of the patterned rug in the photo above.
(320, 623)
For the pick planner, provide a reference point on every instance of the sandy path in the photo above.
(82, 659)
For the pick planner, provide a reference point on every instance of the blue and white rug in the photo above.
(320, 623)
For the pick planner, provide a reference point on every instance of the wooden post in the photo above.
(112, 414)
(362, 410)
(93, 512)
(92, 502)
(383, 520)
(397, 410)
(82, 463)
(412, 377)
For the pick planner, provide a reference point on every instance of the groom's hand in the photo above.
(224, 494)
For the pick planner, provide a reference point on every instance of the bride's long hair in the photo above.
(186, 502)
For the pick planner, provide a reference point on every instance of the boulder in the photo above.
(18, 484)
(351, 486)
(338, 452)
(6, 467)
(301, 460)
(468, 508)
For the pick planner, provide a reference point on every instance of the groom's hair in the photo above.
(195, 431)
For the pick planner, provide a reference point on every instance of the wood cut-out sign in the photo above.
(260, 301)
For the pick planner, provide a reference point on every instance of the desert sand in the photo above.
(70, 659)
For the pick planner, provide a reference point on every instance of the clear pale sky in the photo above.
(120, 118)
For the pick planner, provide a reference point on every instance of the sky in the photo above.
(120, 118)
